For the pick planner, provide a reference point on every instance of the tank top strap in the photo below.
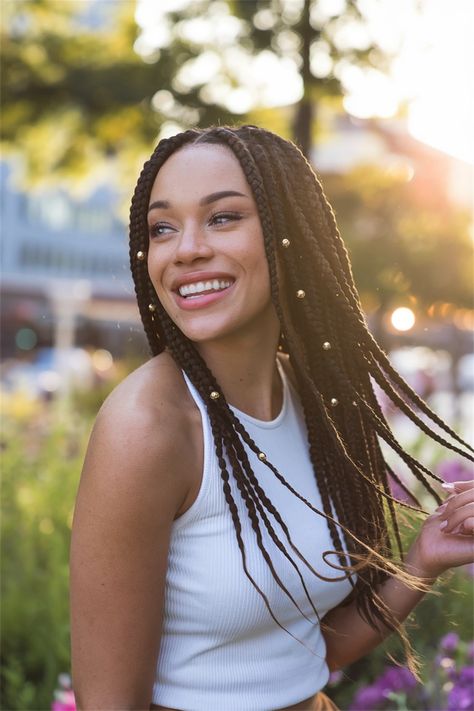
(195, 395)
(210, 475)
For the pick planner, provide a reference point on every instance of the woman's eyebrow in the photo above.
(207, 200)
(213, 197)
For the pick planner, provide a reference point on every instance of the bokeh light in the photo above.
(102, 360)
(403, 318)
(26, 339)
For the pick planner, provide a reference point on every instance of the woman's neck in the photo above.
(247, 373)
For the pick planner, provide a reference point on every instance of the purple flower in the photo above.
(399, 493)
(393, 679)
(367, 698)
(470, 650)
(449, 643)
(461, 698)
(335, 677)
(446, 666)
(454, 470)
(396, 679)
(466, 676)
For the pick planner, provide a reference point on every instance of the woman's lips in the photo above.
(199, 301)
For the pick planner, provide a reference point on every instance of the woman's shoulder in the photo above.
(145, 430)
(155, 394)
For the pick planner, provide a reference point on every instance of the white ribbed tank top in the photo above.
(220, 649)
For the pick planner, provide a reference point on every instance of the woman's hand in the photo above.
(437, 547)
(446, 539)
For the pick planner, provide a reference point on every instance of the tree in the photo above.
(322, 41)
(75, 92)
(403, 249)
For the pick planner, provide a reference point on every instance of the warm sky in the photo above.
(431, 72)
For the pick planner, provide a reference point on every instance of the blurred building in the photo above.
(64, 258)
(350, 142)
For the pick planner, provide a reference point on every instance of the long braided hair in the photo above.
(333, 356)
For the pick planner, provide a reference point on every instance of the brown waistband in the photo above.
(324, 703)
(321, 702)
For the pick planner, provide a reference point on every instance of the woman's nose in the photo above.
(192, 245)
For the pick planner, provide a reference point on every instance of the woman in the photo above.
(233, 531)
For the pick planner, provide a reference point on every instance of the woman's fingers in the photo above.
(453, 501)
(458, 518)
(467, 527)
(458, 486)
(457, 511)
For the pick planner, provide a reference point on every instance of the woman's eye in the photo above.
(221, 218)
(159, 229)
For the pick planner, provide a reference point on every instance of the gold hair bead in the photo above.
(326, 346)
(285, 243)
(141, 256)
(262, 456)
(152, 308)
(214, 395)
(334, 401)
(300, 294)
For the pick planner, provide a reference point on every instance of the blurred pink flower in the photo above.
(335, 677)
(64, 701)
(455, 470)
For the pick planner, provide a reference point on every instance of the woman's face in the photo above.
(206, 257)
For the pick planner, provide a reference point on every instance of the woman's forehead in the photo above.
(199, 168)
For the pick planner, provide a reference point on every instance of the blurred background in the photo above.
(378, 94)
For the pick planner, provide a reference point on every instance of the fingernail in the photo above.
(441, 508)
(449, 487)
(443, 525)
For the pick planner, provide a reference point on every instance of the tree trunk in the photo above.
(305, 111)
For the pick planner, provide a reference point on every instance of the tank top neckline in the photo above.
(268, 424)
(263, 424)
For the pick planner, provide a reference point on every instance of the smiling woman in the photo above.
(235, 534)
(206, 258)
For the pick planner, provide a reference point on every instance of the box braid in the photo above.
(335, 360)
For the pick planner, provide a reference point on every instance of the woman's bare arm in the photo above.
(348, 636)
(129, 494)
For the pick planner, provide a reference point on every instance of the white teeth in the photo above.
(200, 286)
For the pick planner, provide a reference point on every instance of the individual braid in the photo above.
(344, 419)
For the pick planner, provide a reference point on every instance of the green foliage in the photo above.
(76, 94)
(314, 35)
(88, 401)
(41, 463)
(399, 240)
